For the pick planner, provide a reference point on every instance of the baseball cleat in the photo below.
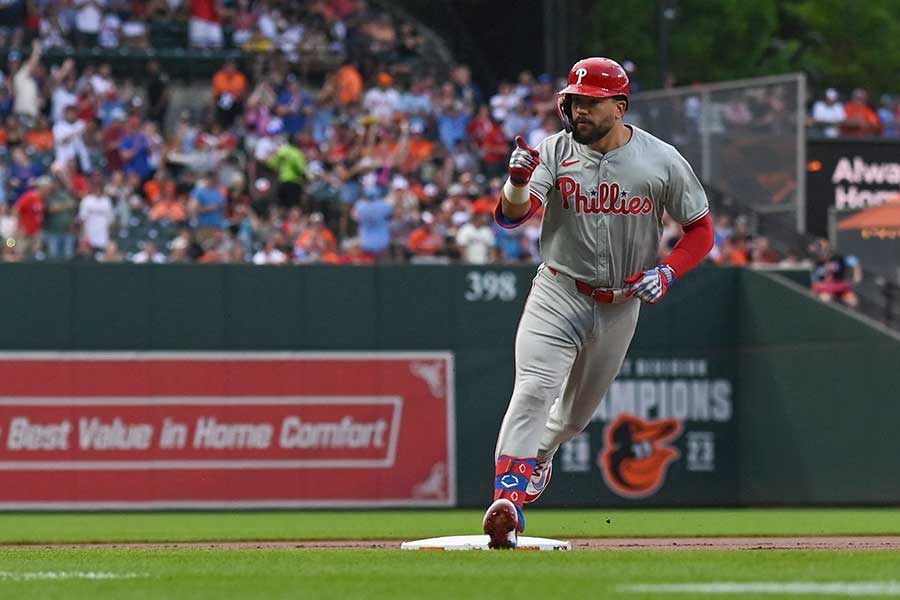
(539, 481)
(501, 523)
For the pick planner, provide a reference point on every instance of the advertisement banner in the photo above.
(873, 236)
(194, 430)
(665, 434)
(848, 174)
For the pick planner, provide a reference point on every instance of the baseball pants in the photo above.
(569, 349)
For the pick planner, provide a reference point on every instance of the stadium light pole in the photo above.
(666, 13)
(559, 49)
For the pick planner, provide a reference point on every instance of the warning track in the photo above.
(833, 544)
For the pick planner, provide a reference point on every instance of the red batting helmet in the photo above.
(597, 77)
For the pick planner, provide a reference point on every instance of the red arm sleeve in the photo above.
(693, 247)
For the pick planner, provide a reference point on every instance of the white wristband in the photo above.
(515, 194)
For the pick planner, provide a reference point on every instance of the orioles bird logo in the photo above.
(634, 458)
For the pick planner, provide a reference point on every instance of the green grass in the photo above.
(405, 525)
(394, 574)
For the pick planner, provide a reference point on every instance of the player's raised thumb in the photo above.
(520, 142)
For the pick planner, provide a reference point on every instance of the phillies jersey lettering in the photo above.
(603, 212)
(607, 198)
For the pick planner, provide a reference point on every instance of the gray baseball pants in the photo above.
(569, 349)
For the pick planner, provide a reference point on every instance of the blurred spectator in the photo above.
(835, 275)
(26, 84)
(510, 244)
(315, 241)
(426, 240)
(135, 150)
(229, 89)
(290, 164)
(205, 24)
(348, 84)
(157, 93)
(294, 107)
(373, 215)
(860, 119)
(476, 239)
(887, 114)
(761, 253)
(40, 137)
(520, 121)
(68, 140)
(169, 207)
(354, 255)
(102, 82)
(828, 114)
(88, 20)
(9, 224)
(452, 124)
(794, 259)
(503, 102)
(30, 210)
(95, 213)
(23, 173)
(208, 206)
(382, 101)
(13, 15)
(737, 251)
(84, 253)
(111, 253)
(134, 30)
(270, 254)
(64, 94)
(59, 221)
(110, 28)
(148, 254)
(549, 126)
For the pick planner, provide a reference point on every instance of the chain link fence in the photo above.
(745, 140)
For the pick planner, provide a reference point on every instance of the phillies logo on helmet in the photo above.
(580, 73)
(635, 457)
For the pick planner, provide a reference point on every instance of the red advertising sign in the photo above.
(192, 430)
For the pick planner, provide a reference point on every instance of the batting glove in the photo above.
(650, 286)
(522, 163)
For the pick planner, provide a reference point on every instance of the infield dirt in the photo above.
(673, 544)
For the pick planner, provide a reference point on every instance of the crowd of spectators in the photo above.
(381, 161)
(737, 243)
(368, 167)
(387, 158)
(831, 116)
(291, 26)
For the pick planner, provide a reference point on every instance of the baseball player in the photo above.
(604, 186)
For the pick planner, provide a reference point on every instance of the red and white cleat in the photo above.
(501, 523)
(539, 481)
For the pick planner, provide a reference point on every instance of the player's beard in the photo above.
(587, 135)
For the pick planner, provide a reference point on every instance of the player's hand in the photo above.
(651, 285)
(522, 163)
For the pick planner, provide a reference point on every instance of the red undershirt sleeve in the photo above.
(693, 246)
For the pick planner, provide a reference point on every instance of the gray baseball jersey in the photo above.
(602, 223)
(603, 212)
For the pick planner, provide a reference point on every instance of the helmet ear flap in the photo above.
(564, 106)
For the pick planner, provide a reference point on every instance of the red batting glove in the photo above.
(522, 163)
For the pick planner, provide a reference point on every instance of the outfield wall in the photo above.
(718, 377)
(819, 392)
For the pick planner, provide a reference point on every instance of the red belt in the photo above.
(603, 296)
